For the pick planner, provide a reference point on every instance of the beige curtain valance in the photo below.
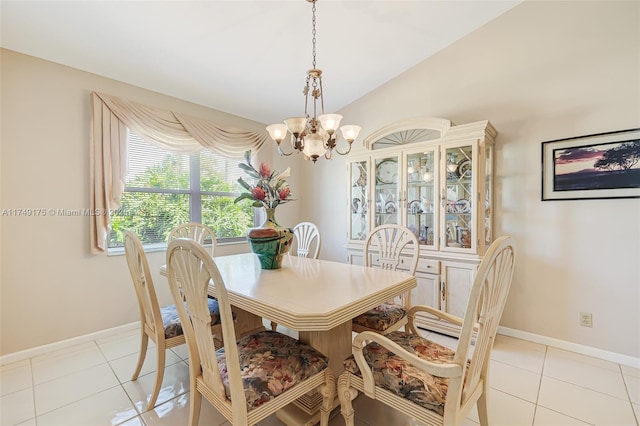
(110, 119)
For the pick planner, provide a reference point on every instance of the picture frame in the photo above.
(597, 166)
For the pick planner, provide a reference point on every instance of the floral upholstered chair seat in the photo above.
(381, 317)
(271, 363)
(391, 247)
(171, 321)
(398, 376)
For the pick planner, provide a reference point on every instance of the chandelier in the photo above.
(313, 135)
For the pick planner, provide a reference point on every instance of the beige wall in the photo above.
(542, 71)
(51, 287)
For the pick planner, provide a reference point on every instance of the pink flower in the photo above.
(265, 171)
(284, 193)
(258, 193)
(269, 187)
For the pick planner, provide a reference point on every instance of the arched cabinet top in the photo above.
(423, 129)
(408, 131)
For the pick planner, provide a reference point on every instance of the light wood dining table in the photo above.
(316, 298)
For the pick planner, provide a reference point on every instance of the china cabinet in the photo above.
(436, 179)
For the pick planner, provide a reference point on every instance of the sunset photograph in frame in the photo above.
(603, 165)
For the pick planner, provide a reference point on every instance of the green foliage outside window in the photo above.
(152, 215)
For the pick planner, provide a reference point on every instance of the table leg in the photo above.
(247, 322)
(336, 344)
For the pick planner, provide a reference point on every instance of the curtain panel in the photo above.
(111, 117)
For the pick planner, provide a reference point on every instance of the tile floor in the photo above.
(89, 384)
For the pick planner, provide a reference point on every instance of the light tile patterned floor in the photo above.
(90, 384)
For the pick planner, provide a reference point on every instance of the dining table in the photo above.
(317, 298)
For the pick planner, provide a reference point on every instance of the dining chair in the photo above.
(160, 324)
(307, 244)
(201, 234)
(430, 382)
(261, 373)
(390, 247)
(196, 231)
(307, 240)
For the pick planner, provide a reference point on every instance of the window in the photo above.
(163, 190)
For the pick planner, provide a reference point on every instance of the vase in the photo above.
(270, 242)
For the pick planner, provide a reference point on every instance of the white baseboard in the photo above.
(55, 346)
(573, 347)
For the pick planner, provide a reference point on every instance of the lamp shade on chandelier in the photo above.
(314, 135)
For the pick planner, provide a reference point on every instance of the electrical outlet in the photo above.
(586, 319)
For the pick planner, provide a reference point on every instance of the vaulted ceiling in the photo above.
(247, 58)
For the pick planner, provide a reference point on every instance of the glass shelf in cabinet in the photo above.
(466, 182)
(386, 185)
(420, 184)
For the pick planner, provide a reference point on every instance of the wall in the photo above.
(542, 71)
(52, 288)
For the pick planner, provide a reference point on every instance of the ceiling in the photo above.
(247, 58)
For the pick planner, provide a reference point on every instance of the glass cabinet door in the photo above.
(422, 196)
(385, 195)
(488, 194)
(457, 200)
(359, 200)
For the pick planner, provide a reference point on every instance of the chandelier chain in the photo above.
(313, 32)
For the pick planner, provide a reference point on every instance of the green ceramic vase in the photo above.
(270, 241)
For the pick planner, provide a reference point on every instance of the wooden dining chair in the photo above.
(160, 324)
(306, 244)
(307, 240)
(390, 247)
(195, 231)
(430, 382)
(261, 373)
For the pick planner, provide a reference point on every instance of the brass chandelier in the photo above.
(314, 135)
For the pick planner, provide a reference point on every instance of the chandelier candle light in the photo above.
(314, 135)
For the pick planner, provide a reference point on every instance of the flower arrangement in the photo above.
(270, 188)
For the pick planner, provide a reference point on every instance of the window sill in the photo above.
(151, 248)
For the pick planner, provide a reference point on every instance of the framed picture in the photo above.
(604, 165)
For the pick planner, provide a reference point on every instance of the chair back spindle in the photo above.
(198, 232)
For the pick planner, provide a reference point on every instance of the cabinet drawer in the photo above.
(429, 266)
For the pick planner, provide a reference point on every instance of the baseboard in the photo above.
(573, 347)
(40, 350)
